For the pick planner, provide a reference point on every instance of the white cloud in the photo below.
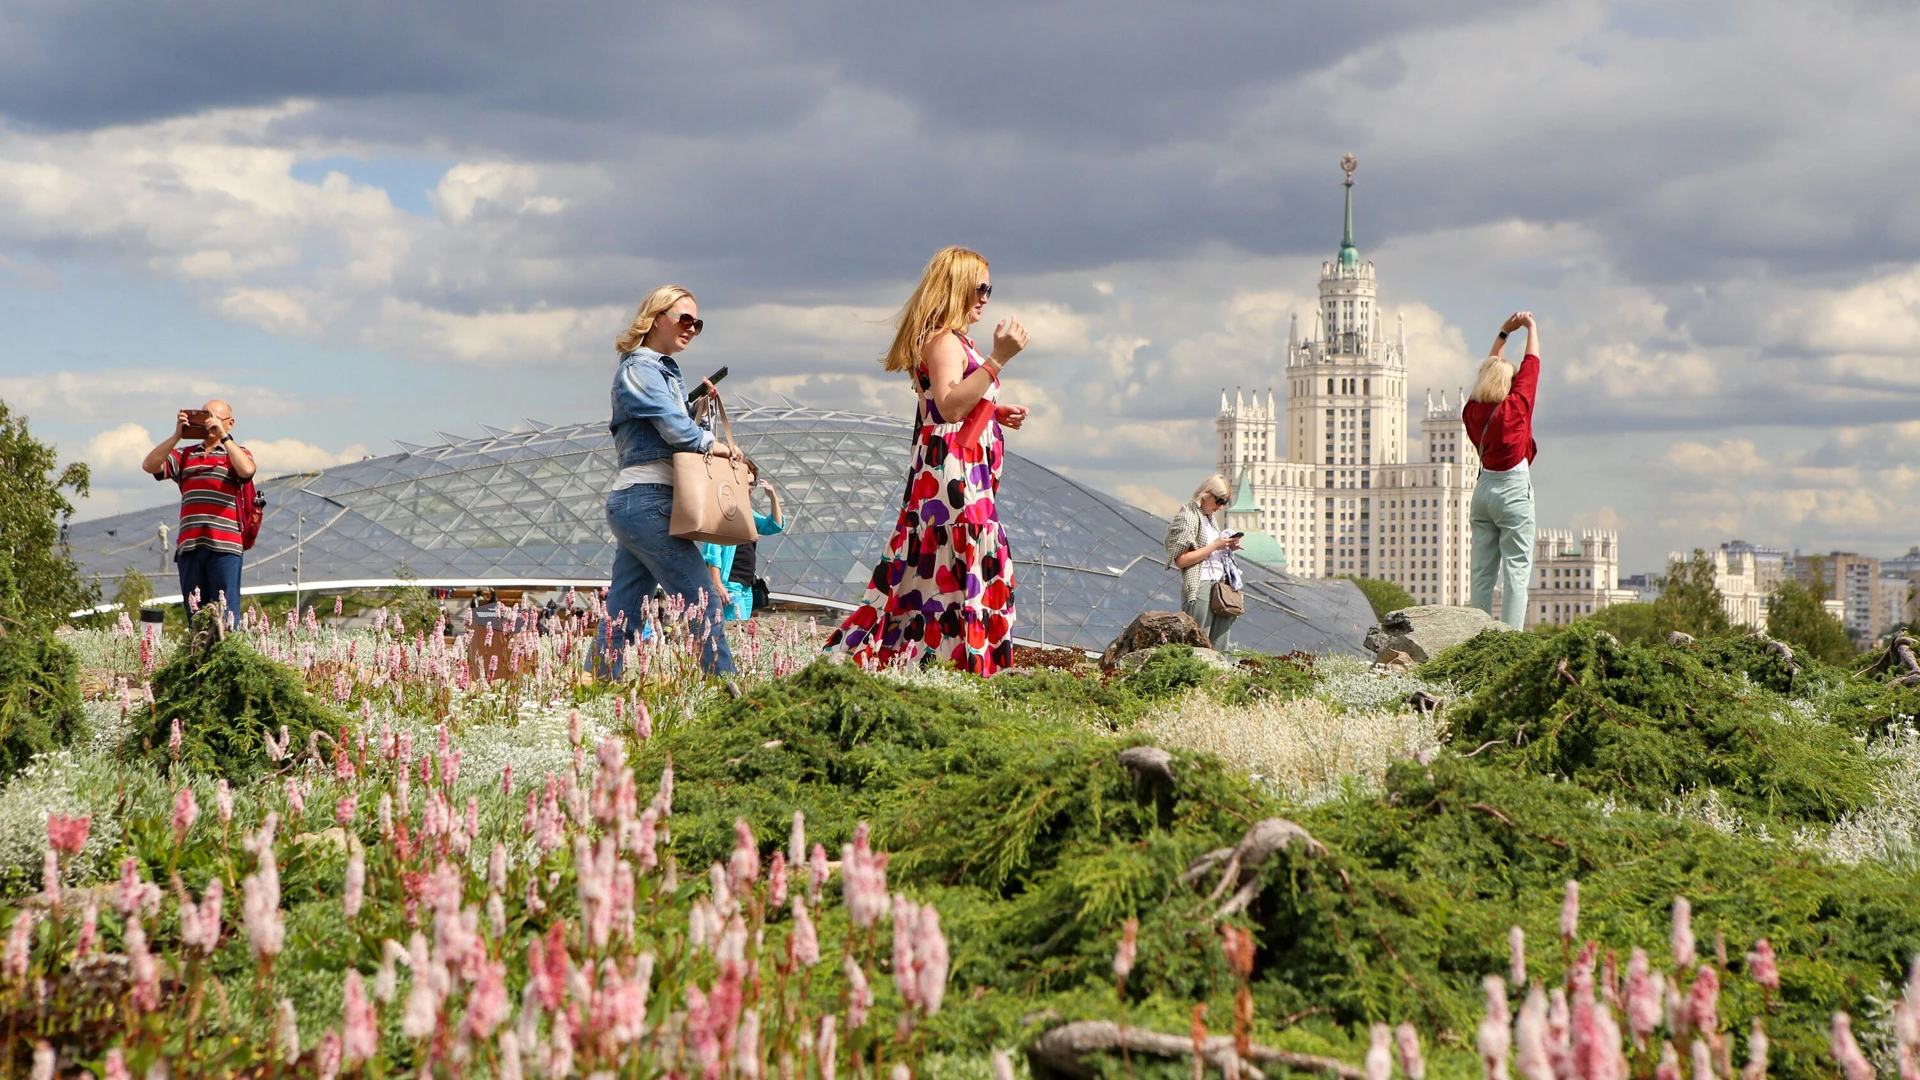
(116, 453)
(115, 393)
(275, 457)
(494, 338)
(512, 187)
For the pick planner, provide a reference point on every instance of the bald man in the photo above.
(209, 473)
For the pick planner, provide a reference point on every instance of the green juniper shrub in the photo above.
(1472, 664)
(40, 707)
(1411, 906)
(1169, 670)
(1269, 678)
(229, 698)
(1646, 724)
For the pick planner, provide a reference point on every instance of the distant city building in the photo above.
(1338, 479)
(1645, 587)
(1896, 599)
(1854, 581)
(1571, 580)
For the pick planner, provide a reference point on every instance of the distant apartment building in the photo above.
(1853, 580)
(1573, 579)
(1896, 599)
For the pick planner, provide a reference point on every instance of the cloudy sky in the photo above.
(363, 222)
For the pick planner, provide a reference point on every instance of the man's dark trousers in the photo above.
(214, 573)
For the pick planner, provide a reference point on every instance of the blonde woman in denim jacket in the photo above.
(651, 422)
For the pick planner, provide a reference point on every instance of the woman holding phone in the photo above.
(944, 588)
(1202, 552)
(651, 422)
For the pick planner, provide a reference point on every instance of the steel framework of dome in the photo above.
(527, 507)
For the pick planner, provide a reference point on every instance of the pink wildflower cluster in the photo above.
(1575, 1031)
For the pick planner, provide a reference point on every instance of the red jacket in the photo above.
(1503, 433)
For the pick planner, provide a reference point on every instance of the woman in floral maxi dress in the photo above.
(944, 588)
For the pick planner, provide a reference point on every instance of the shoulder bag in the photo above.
(1225, 598)
(710, 493)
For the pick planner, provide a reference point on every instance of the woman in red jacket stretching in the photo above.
(1499, 419)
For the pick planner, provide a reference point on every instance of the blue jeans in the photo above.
(1502, 518)
(214, 574)
(648, 556)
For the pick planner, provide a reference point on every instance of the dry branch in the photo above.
(1244, 859)
(1062, 1048)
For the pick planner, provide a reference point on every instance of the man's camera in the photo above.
(196, 424)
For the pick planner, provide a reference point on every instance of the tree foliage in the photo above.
(1689, 601)
(1797, 614)
(38, 578)
(1385, 596)
(1639, 623)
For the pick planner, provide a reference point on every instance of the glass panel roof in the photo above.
(529, 505)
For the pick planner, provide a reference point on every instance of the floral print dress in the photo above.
(945, 585)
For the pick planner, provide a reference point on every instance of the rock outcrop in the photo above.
(1422, 633)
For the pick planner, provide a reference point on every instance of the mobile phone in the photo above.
(196, 423)
(701, 391)
(1235, 535)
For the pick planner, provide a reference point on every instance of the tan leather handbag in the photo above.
(711, 494)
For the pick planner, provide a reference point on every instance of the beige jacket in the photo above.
(1183, 535)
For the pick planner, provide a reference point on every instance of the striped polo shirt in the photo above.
(209, 499)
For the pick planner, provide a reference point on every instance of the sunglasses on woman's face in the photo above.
(984, 290)
(686, 321)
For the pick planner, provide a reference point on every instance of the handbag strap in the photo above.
(725, 425)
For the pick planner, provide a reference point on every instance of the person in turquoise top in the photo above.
(721, 559)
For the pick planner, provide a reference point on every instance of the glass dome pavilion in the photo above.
(526, 508)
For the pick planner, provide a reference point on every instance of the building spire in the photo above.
(1349, 256)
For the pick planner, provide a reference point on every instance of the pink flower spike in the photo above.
(859, 994)
(806, 941)
(1683, 954)
(345, 809)
(1412, 1061)
(1127, 950)
(116, 1065)
(743, 868)
(1669, 1067)
(1757, 1046)
(1762, 965)
(1703, 1001)
(356, 884)
(1379, 1060)
(1570, 912)
(68, 834)
(1530, 1039)
(223, 801)
(1642, 1002)
(44, 1060)
(1517, 957)
(185, 810)
(1495, 1038)
(360, 1036)
(1846, 1052)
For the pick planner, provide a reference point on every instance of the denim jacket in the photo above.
(650, 418)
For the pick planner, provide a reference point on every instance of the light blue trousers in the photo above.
(1502, 518)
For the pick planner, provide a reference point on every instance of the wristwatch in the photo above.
(227, 438)
(1503, 335)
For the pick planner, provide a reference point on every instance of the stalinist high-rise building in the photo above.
(1342, 481)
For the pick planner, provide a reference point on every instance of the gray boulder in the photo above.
(1425, 632)
(1154, 628)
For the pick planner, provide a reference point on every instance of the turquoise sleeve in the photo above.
(766, 526)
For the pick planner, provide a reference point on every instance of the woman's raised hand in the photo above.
(1515, 321)
(1008, 339)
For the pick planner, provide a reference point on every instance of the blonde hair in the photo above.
(942, 301)
(1495, 379)
(651, 308)
(1216, 486)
